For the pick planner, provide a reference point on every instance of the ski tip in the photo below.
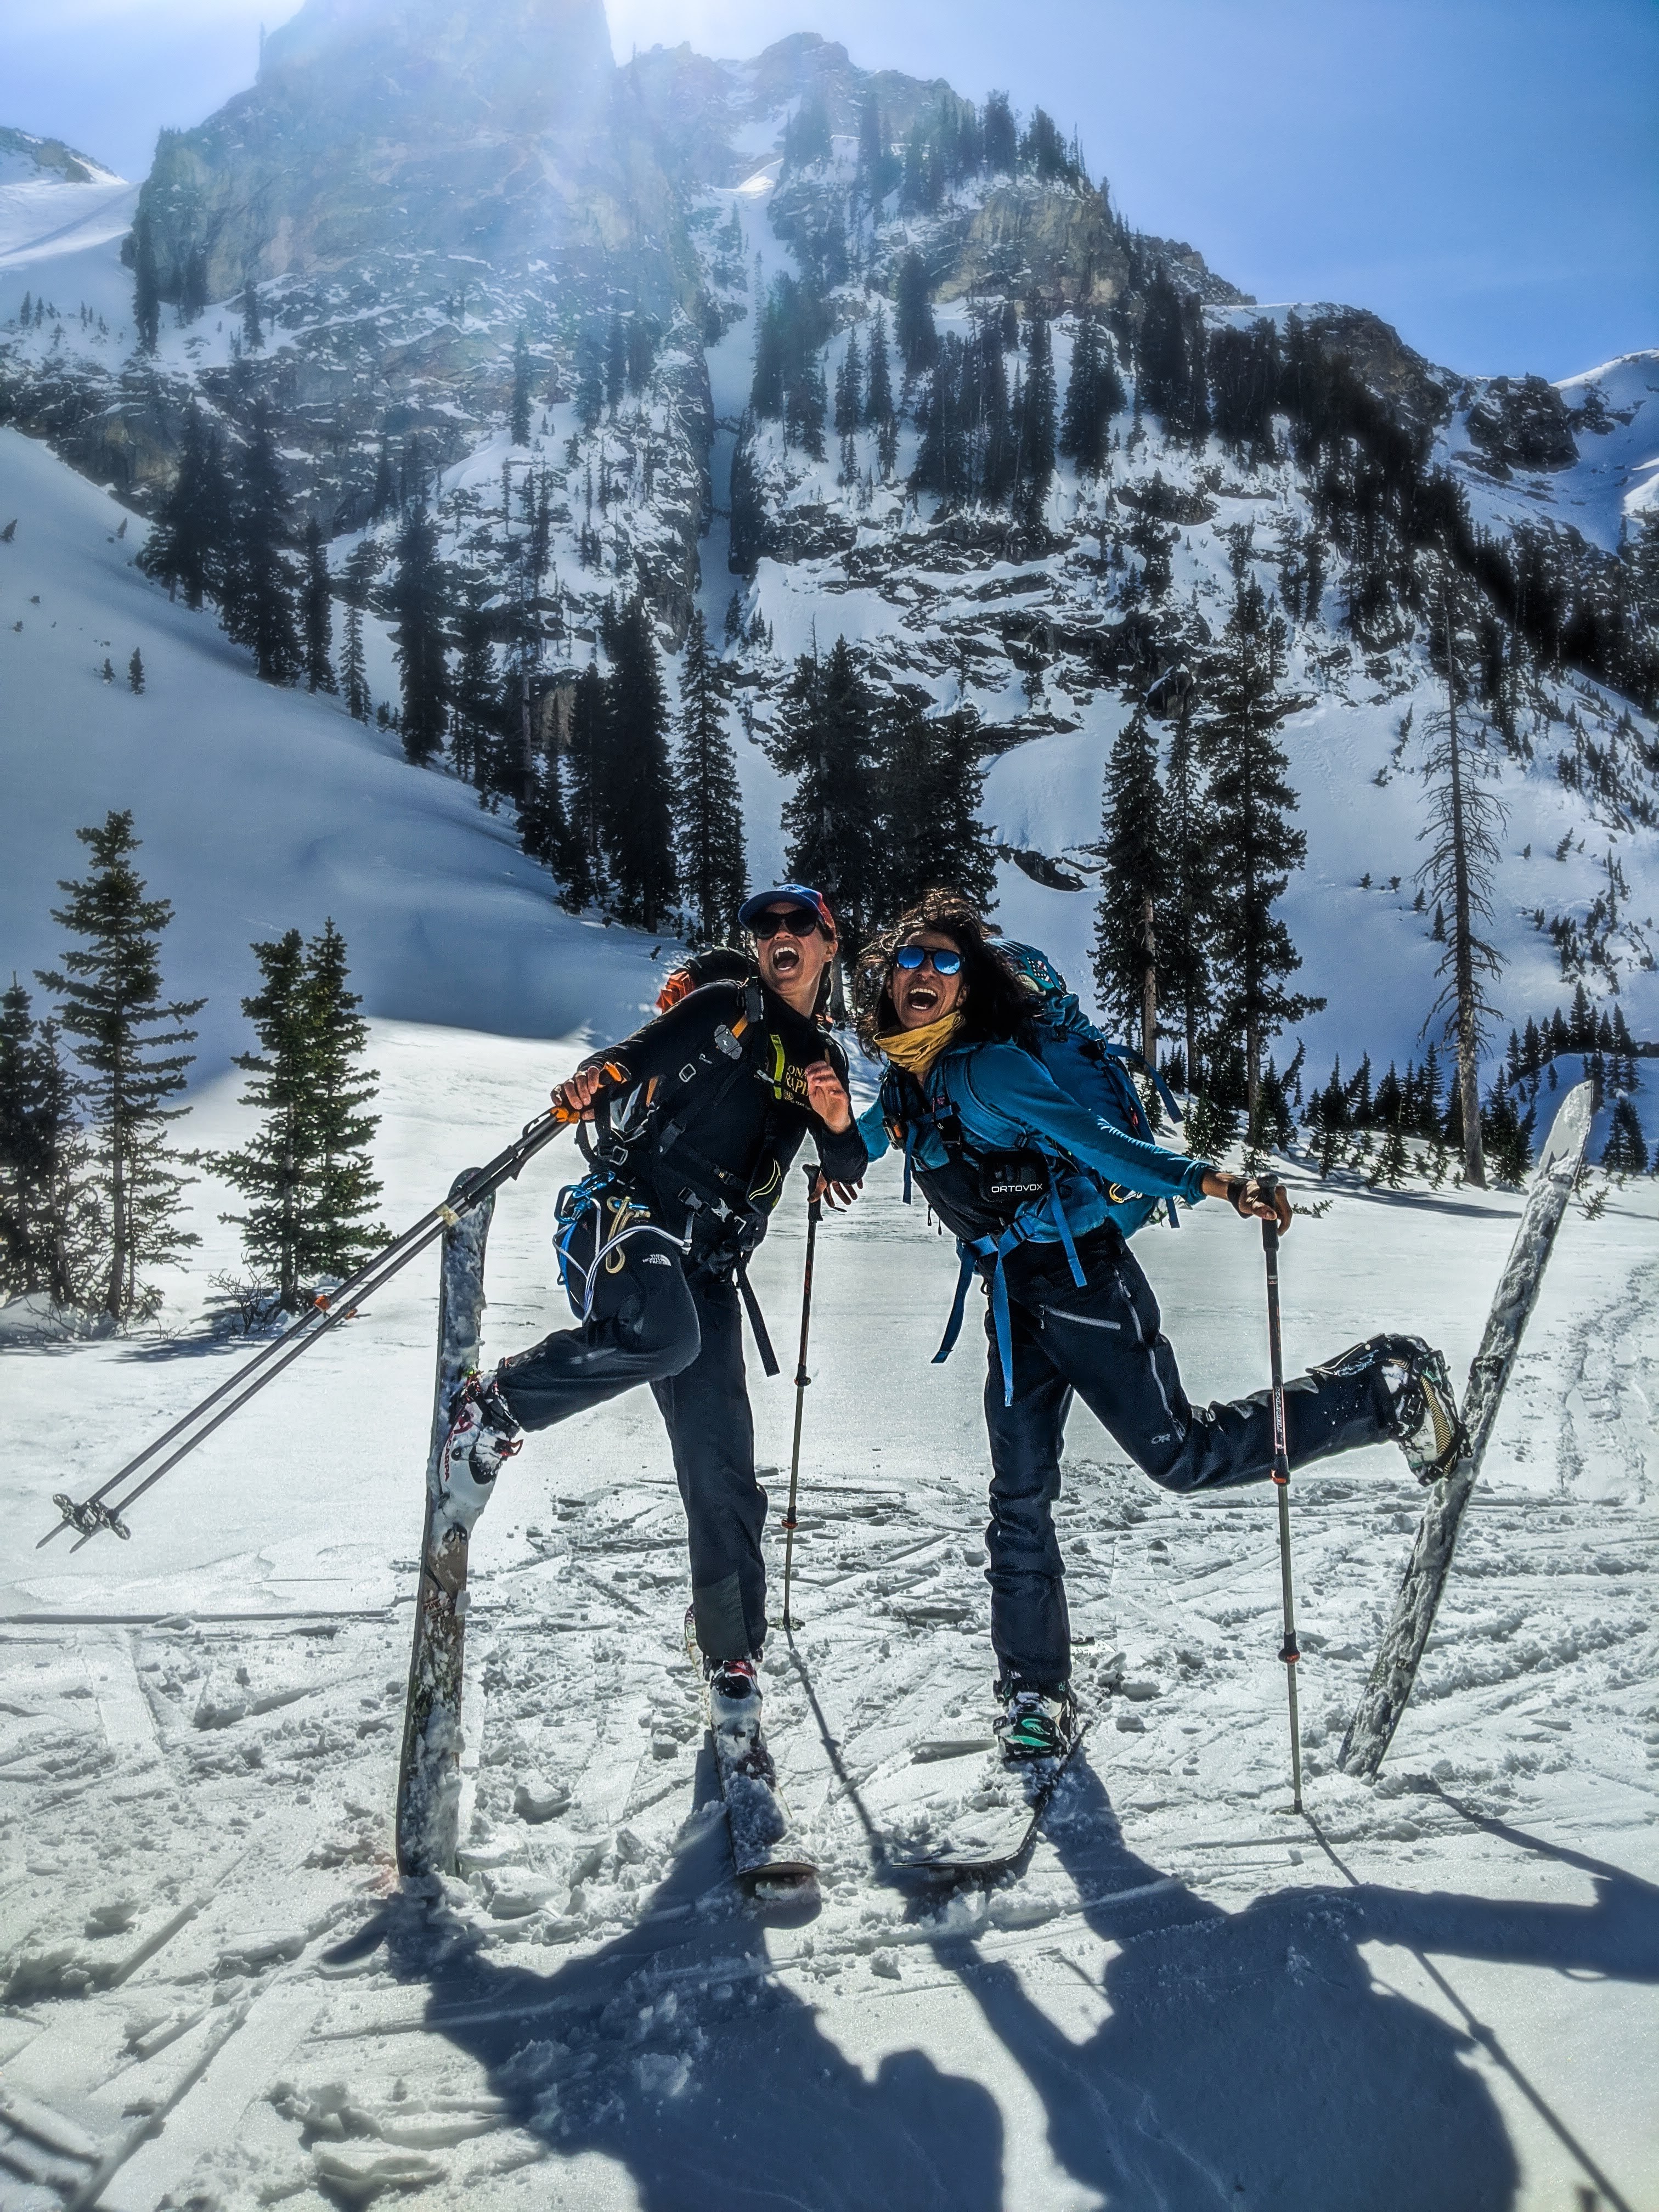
(1568, 1132)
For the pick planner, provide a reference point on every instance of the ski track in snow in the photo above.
(1433, 1993)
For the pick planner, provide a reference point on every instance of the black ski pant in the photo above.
(654, 1319)
(1104, 1342)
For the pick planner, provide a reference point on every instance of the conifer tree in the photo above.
(849, 388)
(317, 613)
(544, 830)
(1034, 445)
(1094, 393)
(339, 1233)
(807, 408)
(519, 413)
(479, 722)
(637, 786)
(1133, 886)
(914, 329)
(136, 671)
(260, 585)
(192, 290)
(305, 1173)
(362, 566)
(48, 1226)
(253, 336)
(1462, 826)
(384, 497)
(878, 379)
(1184, 924)
(128, 1040)
(590, 754)
(616, 364)
(146, 286)
(825, 741)
(417, 600)
(190, 543)
(1001, 136)
(1255, 845)
(1625, 1151)
(929, 784)
(708, 805)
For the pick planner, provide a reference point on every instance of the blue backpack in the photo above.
(992, 1202)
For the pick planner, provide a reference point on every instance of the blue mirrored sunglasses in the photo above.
(912, 956)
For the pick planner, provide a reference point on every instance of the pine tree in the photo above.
(127, 1039)
(136, 671)
(878, 380)
(253, 337)
(825, 741)
(849, 388)
(1170, 382)
(384, 497)
(1463, 822)
(259, 588)
(637, 821)
(708, 805)
(189, 547)
(1254, 846)
(518, 416)
(1094, 393)
(417, 600)
(590, 754)
(807, 408)
(317, 613)
(544, 830)
(338, 1234)
(47, 1229)
(1133, 886)
(930, 783)
(1001, 137)
(479, 722)
(1625, 1151)
(363, 566)
(616, 364)
(1185, 923)
(1036, 429)
(146, 286)
(914, 329)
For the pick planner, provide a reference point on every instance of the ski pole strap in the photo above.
(769, 1358)
(995, 1249)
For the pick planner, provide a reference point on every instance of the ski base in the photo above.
(999, 1824)
(1392, 1679)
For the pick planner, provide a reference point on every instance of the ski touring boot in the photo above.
(1427, 1427)
(483, 1434)
(1032, 1725)
(732, 1686)
(1420, 1411)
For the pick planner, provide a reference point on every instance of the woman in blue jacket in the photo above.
(1035, 1186)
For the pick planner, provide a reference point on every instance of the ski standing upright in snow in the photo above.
(429, 1771)
(1371, 1730)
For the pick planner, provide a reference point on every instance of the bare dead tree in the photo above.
(1461, 831)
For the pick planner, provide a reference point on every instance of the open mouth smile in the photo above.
(786, 956)
(924, 997)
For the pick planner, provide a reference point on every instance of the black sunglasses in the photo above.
(912, 956)
(798, 920)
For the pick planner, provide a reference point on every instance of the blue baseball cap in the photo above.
(796, 894)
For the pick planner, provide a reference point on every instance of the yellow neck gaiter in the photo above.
(915, 1050)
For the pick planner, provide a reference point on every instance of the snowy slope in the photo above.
(259, 809)
(1437, 1993)
(54, 202)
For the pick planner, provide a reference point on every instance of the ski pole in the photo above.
(89, 1515)
(1268, 1186)
(814, 1215)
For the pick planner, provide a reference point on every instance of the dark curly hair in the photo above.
(996, 1001)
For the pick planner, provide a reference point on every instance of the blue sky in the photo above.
(1484, 173)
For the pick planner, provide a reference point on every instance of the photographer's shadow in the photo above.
(1250, 2059)
(674, 2051)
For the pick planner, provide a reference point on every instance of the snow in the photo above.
(1432, 1993)
(42, 214)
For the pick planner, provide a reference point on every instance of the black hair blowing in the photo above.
(996, 1001)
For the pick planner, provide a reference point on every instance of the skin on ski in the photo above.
(429, 1771)
(1379, 1715)
(764, 1848)
(989, 1842)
